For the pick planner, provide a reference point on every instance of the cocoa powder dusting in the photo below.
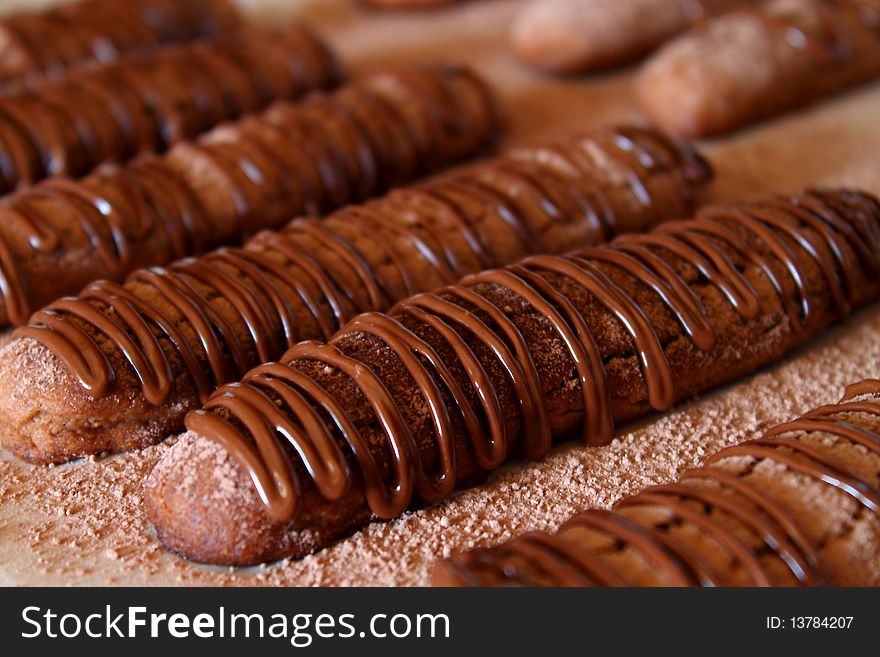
(84, 523)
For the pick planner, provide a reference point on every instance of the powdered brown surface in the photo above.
(83, 523)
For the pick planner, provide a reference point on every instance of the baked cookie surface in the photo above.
(99, 534)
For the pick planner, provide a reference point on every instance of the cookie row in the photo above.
(125, 363)
(260, 172)
(401, 408)
(748, 65)
(740, 61)
(109, 113)
(48, 43)
(798, 506)
(573, 36)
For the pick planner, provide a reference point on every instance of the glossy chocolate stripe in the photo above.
(52, 41)
(794, 548)
(465, 314)
(829, 43)
(717, 490)
(253, 280)
(111, 112)
(672, 498)
(811, 462)
(135, 207)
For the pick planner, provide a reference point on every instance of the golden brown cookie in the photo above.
(573, 36)
(48, 43)
(118, 367)
(746, 66)
(399, 409)
(110, 113)
(260, 172)
(798, 506)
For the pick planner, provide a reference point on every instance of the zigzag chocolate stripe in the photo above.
(110, 113)
(51, 42)
(276, 274)
(294, 158)
(282, 423)
(563, 560)
(830, 43)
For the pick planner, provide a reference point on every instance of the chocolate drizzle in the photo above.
(272, 437)
(703, 498)
(308, 157)
(52, 41)
(110, 113)
(277, 273)
(830, 41)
